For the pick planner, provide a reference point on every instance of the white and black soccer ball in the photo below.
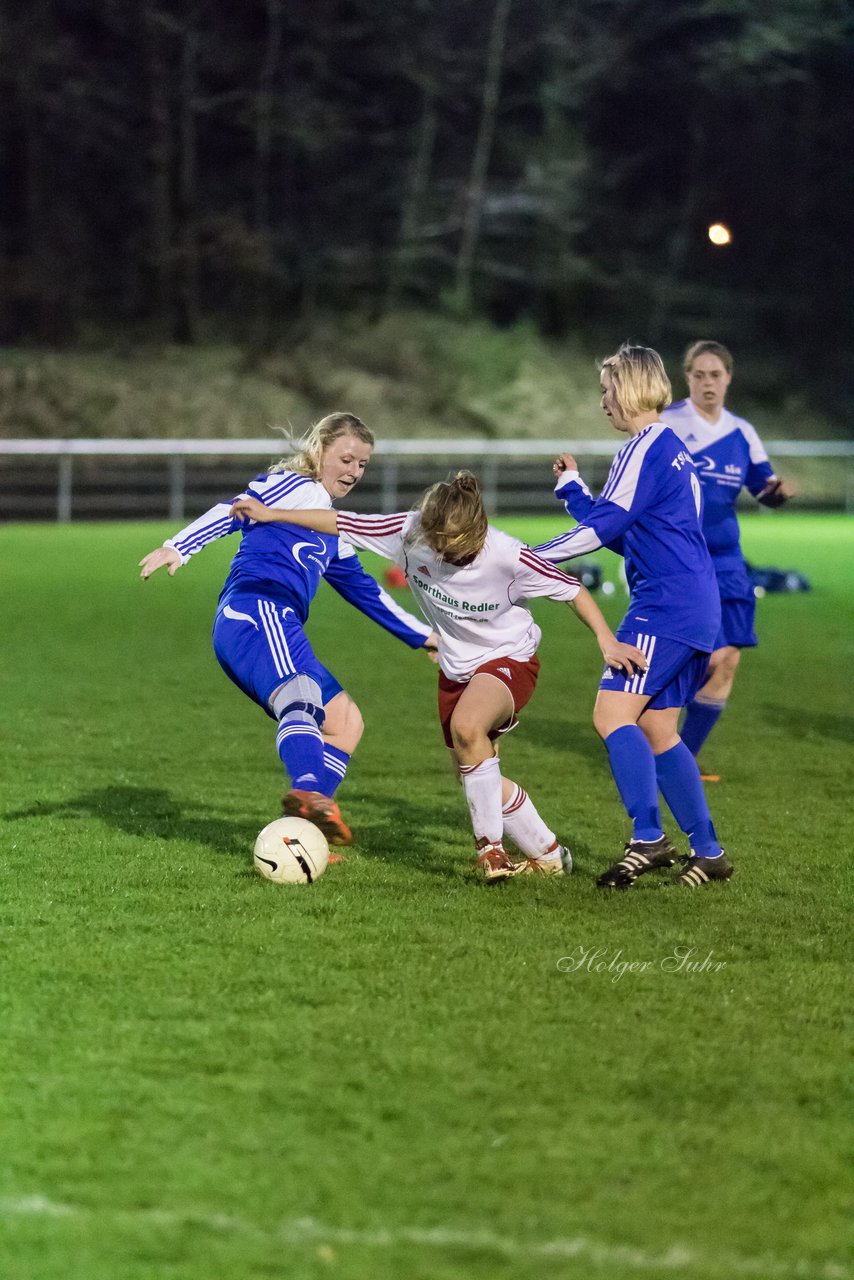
(291, 851)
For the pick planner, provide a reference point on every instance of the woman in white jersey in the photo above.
(471, 582)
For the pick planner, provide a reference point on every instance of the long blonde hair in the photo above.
(639, 380)
(308, 459)
(453, 518)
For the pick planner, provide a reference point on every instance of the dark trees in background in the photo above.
(474, 197)
(738, 113)
(182, 166)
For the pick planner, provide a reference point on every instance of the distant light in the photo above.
(719, 234)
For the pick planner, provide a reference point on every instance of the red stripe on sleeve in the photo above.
(547, 569)
(378, 526)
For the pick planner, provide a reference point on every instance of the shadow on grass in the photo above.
(151, 813)
(413, 835)
(800, 722)
(389, 831)
(426, 838)
(565, 740)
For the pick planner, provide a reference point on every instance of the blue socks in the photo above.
(335, 763)
(300, 749)
(680, 784)
(700, 720)
(311, 763)
(634, 769)
(639, 776)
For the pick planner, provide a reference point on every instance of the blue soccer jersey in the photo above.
(285, 564)
(729, 456)
(649, 511)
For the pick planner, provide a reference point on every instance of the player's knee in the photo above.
(659, 739)
(354, 724)
(723, 662)
(602, 722)
(466, 732)
(343, 723)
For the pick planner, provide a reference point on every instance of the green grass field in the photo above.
(388, 1076)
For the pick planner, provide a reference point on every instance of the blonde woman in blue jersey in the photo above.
(258, 633)
(649, 511)
(729, 456)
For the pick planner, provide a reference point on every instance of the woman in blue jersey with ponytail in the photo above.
(650, 512)
(258, 634)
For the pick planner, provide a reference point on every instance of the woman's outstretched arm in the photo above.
(317, 518)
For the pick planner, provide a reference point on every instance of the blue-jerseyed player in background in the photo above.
(258, 633)
(729, 456)
(650, 511)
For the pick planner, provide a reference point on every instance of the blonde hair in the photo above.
(639, 380)
(308, 459)
(707, 348)
(453, 518)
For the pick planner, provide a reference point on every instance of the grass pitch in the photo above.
(400, 1072)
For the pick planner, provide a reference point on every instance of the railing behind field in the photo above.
(178, 479)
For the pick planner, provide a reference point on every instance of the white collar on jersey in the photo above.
(695, 430)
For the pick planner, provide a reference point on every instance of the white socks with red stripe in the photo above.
(482, 787)
(524, 825)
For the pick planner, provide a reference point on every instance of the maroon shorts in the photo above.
(519, 677)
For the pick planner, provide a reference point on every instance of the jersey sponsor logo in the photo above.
(307, 548)
(228, 612)
(721, 473)
(462, 607)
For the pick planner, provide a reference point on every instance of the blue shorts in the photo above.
(675, 672)
(260, 644)
(738, 610)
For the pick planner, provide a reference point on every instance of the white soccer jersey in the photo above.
(476, 609)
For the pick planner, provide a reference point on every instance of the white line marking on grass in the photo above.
(24, 1206)
(302, 1231)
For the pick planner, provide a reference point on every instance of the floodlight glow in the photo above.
(719, 234)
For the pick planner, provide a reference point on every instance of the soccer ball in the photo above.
(291, 851)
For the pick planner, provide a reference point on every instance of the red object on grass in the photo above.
(395, 577)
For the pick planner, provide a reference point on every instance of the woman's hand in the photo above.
(251, 509)
(625, 657)
(776, 492)
(564, 462)
(431, 647)
(163, 556)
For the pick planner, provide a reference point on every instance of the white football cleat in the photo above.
(558, 865)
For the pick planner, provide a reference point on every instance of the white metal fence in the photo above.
(138, 479)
